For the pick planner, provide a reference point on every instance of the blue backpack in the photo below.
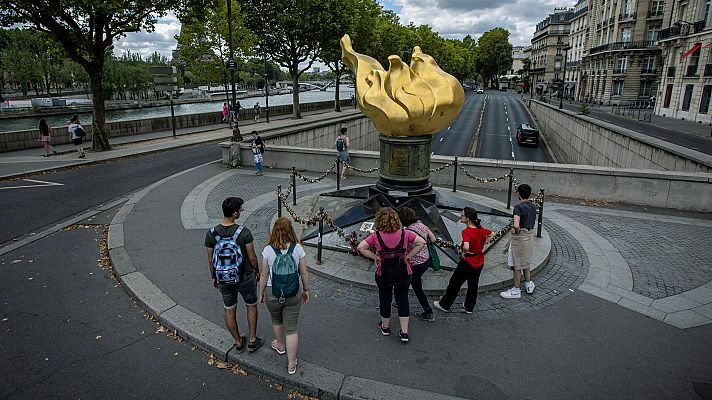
(228, 259)
(284, 274)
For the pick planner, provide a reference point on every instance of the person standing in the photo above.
(258, 149)
(77, 134)
(258, 111)
(284, 263)
(225, 113)
(474, 237)
(521, 245)
(233, 267)
(393, 271)
(421, 261)
(342, 149)
(46, 138)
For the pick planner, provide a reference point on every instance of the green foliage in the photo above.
(494, 54)
(584, 109)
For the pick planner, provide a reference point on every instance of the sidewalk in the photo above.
(606, 297)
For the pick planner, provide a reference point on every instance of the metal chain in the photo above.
(483, 180)
(365, 171)
(317, 179)
(442, 167)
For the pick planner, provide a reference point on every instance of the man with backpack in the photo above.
(233, 266)
(342, 149)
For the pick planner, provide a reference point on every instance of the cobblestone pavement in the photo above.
(661, 262)
(244, 186)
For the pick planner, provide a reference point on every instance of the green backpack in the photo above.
(284, 274)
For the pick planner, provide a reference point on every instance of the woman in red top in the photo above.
(474, 237)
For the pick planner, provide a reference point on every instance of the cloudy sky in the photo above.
(450, 18)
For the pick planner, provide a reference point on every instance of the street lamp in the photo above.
(231, 64)
(563, 81)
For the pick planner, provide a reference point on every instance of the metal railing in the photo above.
(648, 71)
(619, 71)
(642, 44)
(626, 17)
(655, 14)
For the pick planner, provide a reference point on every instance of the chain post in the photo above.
(294, 186)
(279, 201)
(454, 176)
(321, 235)
(338, 174)
(541, 214)
(509, 192)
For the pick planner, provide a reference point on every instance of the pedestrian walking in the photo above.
(652, 101)
(258, 149)
(46, 138)
(284, 264)
(225, 113)
(233, 268)
(393, 271)
(237, 109)
(521, 244)
(474, 237)
(421, 261)
(258, 111)
(76, 133)
(342, 150)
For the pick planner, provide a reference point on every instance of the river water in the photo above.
(18, 124)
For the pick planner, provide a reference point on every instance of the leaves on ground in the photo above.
(16, 261)
(98, 337)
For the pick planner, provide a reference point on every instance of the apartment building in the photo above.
(547, 58)
(578, 43)
(623, 63)
(686, 43)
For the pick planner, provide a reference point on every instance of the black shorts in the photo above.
(77, 141)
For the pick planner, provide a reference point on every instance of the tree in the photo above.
(330, 49)
(494, 54)
(290, 33)
(87, 30)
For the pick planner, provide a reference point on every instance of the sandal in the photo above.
(293, 371)
(252, 346)
(240, 349)
(277, 349)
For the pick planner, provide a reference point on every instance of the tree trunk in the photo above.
(337, 81)
(100, 138)
(296, 113)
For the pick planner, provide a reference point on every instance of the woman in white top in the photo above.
(284, 307)
(73, 128)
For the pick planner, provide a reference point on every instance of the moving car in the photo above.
(480, 91)
(527, 135)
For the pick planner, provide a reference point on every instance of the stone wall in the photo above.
(676, 190)
(18, 140)
(584, 140)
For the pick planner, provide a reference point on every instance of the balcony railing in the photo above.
(558, 32)
(648, 71)
(619, 71)
(699, 26)
(682, 30)
(573, 63)
(708, 70)
(691, 70)
(626, 17)
(671, 72)
(557, 68)
(643, 44)
(536, 70)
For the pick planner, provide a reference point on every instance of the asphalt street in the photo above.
(67, 331)
(68, 192)
(456, 139)
(503, 113)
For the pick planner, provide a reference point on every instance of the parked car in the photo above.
(527, 135)
(480, 91)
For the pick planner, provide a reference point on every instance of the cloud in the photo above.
(458, 18)
(162, 39)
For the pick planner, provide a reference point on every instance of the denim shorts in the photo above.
(246, 288)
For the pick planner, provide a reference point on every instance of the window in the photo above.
(652, 34)
(658, 8)
(681, 12)
(645, 88)
(625, 35)
(688, 97)
(705, 100)
(621, 65)
(617, 88)
(668, 95)
(649, 65)
(628, 7)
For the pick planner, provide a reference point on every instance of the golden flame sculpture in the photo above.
(404, 101)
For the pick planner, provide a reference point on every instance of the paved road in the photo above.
(503, 112)
(456, 140)
(25, 210)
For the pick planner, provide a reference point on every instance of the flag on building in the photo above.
(692, 50)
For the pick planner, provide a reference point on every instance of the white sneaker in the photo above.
(437, 305)
(513, 293)
(529, 287)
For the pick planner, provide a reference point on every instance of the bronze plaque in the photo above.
(399, 161)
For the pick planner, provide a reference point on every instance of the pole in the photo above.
(294, 186)
(509, 192)
(173, 116)
(279, 201)
(321, 235)
(563, 82)
(454, 176)
(541, 214)
(264, 56)
(232, 70)
(338, 174)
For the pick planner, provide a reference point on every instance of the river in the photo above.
(18, 124)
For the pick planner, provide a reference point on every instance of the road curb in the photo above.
(312, 379)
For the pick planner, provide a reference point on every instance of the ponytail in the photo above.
(471, 215)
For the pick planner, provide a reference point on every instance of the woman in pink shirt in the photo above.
(393, 273)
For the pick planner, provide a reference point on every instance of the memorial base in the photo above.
(405, 164)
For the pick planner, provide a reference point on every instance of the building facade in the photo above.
(578, 42)
(686, 43)
(547, 60)
(622, 66)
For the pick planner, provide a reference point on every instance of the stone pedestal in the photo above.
(405, 164)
